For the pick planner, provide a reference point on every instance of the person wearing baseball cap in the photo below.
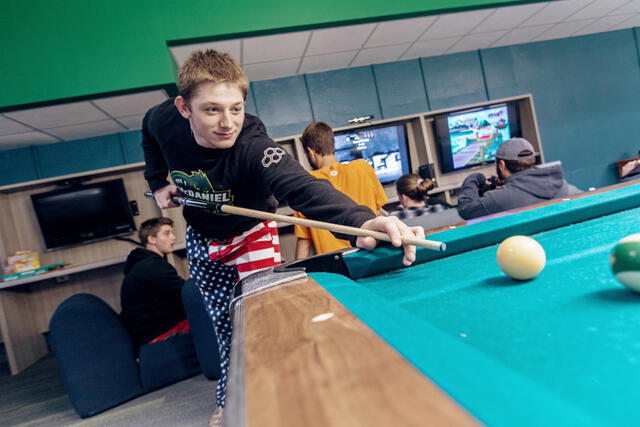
(518, 182)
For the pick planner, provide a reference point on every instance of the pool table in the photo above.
(355, 339)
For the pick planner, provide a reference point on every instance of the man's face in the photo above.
(164, 239)
(216, 114)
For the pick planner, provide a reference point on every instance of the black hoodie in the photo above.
(251, 174)
(150, 296)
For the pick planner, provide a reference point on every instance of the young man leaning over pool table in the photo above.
(216, 152)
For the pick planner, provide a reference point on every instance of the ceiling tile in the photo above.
(556, 11)
(378, 55)
(275, 47)
(58, 115)
(476, 41)
(339, 39)
(127, 105)
(456, 24)
(133, 122)
(632, 21)
(429, 48)
(9, 127)
(399, 31)
(506, 18)
(272, 70)
(521, 35)
(332, 61)
(86, 130)
(603, 24)
(10, 142)
(630, 7)
(181, 53)
(597, 9)
(564, 29)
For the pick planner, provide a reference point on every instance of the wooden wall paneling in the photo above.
(23, 342)
(529, 125)
(6, 226)
(46, 296)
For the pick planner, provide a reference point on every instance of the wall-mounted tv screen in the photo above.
(469, 138)
(83, 213)
(384, 147)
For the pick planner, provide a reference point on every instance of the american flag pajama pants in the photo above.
(216, 266)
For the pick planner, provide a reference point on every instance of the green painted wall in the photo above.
(55, 50)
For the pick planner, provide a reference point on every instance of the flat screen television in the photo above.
(384, 147)
(471, 137)
(83, 213)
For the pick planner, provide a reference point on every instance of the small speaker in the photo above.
(426, 171)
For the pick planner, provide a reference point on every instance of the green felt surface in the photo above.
(489, 230)
(561, 349)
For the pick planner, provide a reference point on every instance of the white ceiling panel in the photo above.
(597, 9)
(521, 35)
(399, 31)
(378, 55)
(132, 122)
(272, 70)
(567, 29)
(603, 24)
(8, 127)
(9, 142)
(232, 47)
(429, 48)
(276, 47)
(476, 41)
(127, 105)
(456, 24)
(506, 18)
(629, 7)
(87, 130)
(58, 115)
(632, 21)
(332, 61)
(556, 11)
(339, 39)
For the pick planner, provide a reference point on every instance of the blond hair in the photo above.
(210, 66)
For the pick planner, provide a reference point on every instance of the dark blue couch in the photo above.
(98, 361)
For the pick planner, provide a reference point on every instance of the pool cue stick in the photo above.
(344, 229)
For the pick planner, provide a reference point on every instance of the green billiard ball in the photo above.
(625, 261)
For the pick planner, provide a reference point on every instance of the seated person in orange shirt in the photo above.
(151, 296)
(356, 179)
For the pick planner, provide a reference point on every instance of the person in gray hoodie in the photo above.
(519, 183)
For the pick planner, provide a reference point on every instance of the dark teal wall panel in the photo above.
(79, 156)
(283, 105)
(337, 96)
(586, 95)
(250, 105)
(401, 88)
(132, 146)
(17, 166)
(454, 80)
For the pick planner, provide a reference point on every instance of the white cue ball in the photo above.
(521, 257)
